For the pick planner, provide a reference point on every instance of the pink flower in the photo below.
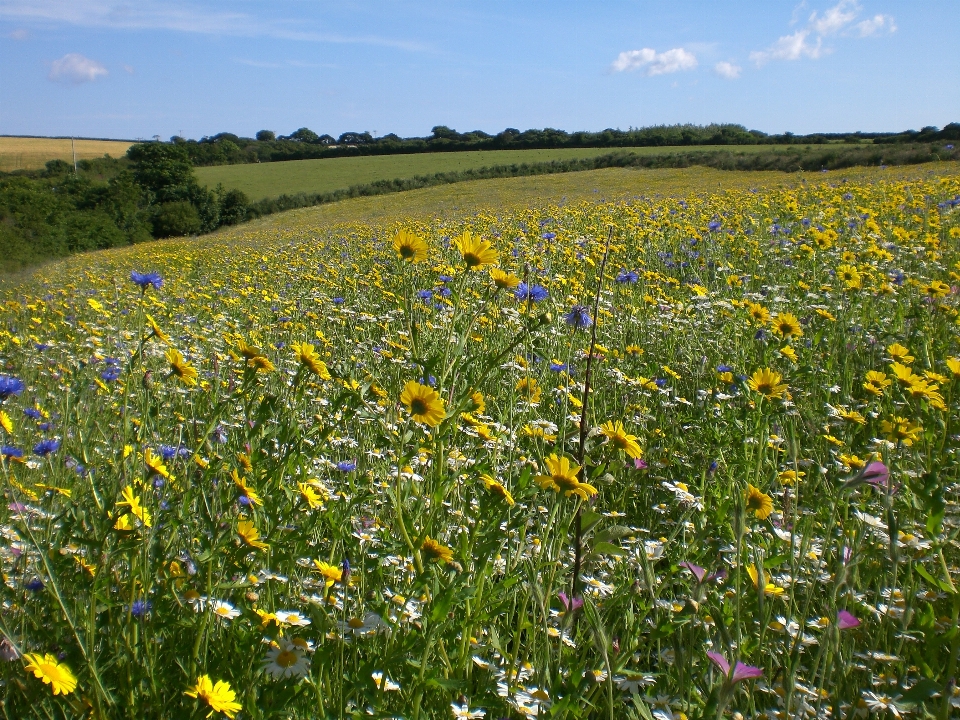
(569, 604)
(639, 464)
(701, 573)
(876, 473)
(846, 620)
(740, 672)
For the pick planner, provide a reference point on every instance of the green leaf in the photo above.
(588, 519)
(605, 548)
(925, 574)
(775, 561)
(920, 692)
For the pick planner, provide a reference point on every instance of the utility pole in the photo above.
(73, 147)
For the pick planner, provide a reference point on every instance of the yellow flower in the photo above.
(313, 498)
(852, 461)
(435, 551)
(617, 436)
(423, 403)
(179, 367)
(786, 325)
(309, 359)
(788, 352)
(504, 280)
(476, 252)
(876, 382)
(5, 422)
(331, 573)
(409, 246)
(53, 673)
(900, 429)
(953, 364)
(249, 534)
(563, 478)
(529, 388)
(479, 404)
(758, 579)
(936, 289)
(496, 488)
(758, 312)
(155, 330)
(220, 697)
(767, 383)
(789, 477)
(850, 277)
(851, 416)
(758, 502)
(155, 464)
(245, 489)
(900, 354)
(261, 362)
(903, 373)
(133, 502)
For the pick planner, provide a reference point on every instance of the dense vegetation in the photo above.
(227, 148)
(107, 203)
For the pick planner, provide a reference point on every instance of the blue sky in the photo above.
(106, 68)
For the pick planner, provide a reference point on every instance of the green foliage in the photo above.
(173, 219)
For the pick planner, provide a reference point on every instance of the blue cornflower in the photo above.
(627, 276)
(338, 301)
(661, 382)
(35, 585)
(444, 291)
(558, 367)
(445, 279)
(724, 368)
(346, 466)
(168, 452)
(10, 386)
(713, 225)
(144, 279)
(430, 380)
(8, 451)
(32, 413)
(548, 235)
(45, 447)
(578, 317)
(425, 295)
(41, 346)
(532, 293)
(141, 608)
(45, 426)
(110, 374)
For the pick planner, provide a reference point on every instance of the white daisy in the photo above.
(285, 659)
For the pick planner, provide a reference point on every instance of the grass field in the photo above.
(18, 153)
(264, 180)
(614, 444)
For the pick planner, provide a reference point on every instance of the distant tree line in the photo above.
(303, 144)
(108, 202)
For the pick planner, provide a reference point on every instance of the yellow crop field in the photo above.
(24, 153)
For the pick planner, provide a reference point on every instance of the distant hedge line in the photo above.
(792, 160)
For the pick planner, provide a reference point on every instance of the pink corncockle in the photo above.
(569, 604)
(740, 672)
(876, 473)
(846, 620)
(638, 464)
(701, 573)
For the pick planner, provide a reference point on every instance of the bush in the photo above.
(175, 219)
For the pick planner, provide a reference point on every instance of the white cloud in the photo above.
(728, 70)
(835, 18)
(75, 68)
(789, 47)
(18, 34)
(875, 25)
(655, 63)
(808, 41)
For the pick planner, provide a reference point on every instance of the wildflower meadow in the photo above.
(650, 458)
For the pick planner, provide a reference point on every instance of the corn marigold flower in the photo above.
(901, 430)
(220, 696)
(504, 280)
(953, 365)
(759, 314)
(307, 356)
(759, 582)
(423, 403)
(788, 352)
(529, 389)
(53, 673)
(900, 354)
(155, 464)
(767, 383)
(251, 495)
(249, 534)
(475, 251)
(758, 502)
(5, 422)
(309, 493)
(786, 325)
(497, 488)
(936, 289)
(410, 247)
(186, 373)
(331, 573)
(563, 478)
(850, 277)
(618, 437)
(435, 551)
(136, 508)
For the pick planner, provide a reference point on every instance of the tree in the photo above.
(305, 135)
(163, 170)
(266, 135)
(174, 219)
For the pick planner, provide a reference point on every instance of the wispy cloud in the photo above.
(74, 68)
(181, 17)
(808, 42)
(728, 70)
(654, 63)
(18, 34)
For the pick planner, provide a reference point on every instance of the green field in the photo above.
(265, 180)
